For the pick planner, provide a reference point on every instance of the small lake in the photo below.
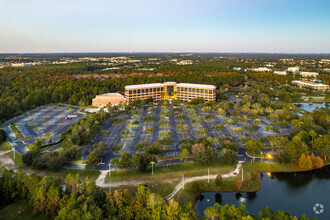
(311, 106)
(294, 192)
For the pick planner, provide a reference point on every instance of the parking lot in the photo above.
(140, 132)
(48, 122)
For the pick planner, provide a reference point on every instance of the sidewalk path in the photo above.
(192, 179)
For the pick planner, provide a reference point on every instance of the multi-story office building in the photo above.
(170, 90)
(318, 86)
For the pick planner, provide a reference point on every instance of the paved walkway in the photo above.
(192, 179)
(100, 182)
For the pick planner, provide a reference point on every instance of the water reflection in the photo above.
(218, 198)
(296, 193)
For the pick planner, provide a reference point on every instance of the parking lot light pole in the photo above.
(109, 169)
(152, 167)
(183, 180)
(242, 174)
(14, 153)
(208, 175)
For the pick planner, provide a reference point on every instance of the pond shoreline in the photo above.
(251, 195)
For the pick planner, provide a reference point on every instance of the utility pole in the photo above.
(14, 153)
(242, 174)
(208, 175)
(183, 180)
(109, 169)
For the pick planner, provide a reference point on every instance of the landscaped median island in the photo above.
(18, 134)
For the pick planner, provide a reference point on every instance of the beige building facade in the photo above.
(105, 99)
(318, 86)
(170, 90)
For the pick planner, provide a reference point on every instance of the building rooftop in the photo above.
(309, 73)
(309, 83)
(202, 86)
(141, 86)
(111, 94)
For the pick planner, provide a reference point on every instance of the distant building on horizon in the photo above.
(261, 69)
(318, 86)
(284, 73)
(294, 69)
(309, 74)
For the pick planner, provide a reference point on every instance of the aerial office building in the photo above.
(318, 86)
(170, 90)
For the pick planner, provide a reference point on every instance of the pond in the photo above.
(311, 106)
(295, 192)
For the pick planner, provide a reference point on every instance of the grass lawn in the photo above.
(172, 172)
(18, 211)
(18, 159)
(79, 161)
(18, 134)
(5, 146)
(115, 161)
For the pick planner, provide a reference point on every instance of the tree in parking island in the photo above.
(204, 153)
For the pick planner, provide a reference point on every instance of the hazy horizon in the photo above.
(182, 26)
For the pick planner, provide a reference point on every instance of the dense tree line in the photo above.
(83, 200)
(72, 199)
(232, 212)
(22, 89)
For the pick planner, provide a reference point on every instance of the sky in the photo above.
(248, 26)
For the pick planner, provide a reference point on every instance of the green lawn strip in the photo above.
(149, 122)
(79, 161)
(37, 130)
(48, 147)
(19, 211)
(29, 147)
(171, 172)
(18, 159)
(5, 146)
(115, 161)
(18, 134)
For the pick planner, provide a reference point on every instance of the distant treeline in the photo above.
(25, 88)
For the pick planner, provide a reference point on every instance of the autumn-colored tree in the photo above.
(218, 180)
(317, 161)
(238, 184)
(305, 161)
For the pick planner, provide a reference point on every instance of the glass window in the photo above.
(158, 89)
(210, 91)
(138, 91)
(142, 90)
(134, 91)
(154, 89)
(130, 91)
